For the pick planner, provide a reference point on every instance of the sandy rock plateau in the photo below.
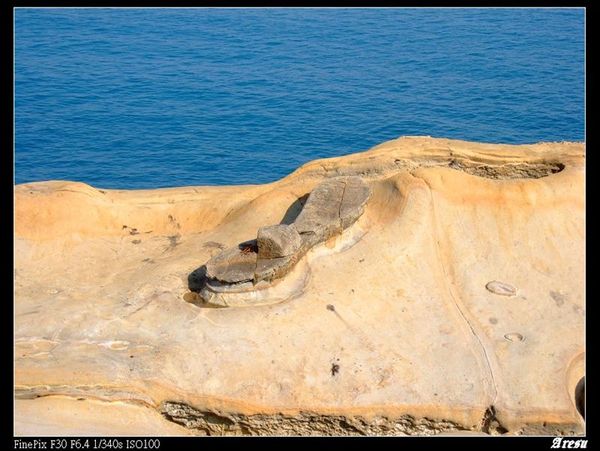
(454, 303)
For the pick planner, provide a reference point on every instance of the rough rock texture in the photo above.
(281, 240)
(387, 328)
(354, 199)
(331, 207)
(320, 216)
(232, 266)
(274, 268)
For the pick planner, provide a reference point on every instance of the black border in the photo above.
(7, 178)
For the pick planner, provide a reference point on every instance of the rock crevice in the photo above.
(207, 422)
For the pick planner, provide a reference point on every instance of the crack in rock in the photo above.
(490, 424)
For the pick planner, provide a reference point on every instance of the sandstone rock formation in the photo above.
(331, 207)
(453, 304)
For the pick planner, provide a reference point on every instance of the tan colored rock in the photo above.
(387, 328)
(64, 416)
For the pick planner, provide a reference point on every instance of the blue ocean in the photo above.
(148, 98)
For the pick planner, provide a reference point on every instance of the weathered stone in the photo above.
(331, 207)
(277, 241)
(232, 266)
(309, 239)
(356, 195)
(273, 268)
(321, 213)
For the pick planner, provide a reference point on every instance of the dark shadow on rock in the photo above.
(331, 207)
(294, 210)
(580, 397)
(197, 279)
(249, 246)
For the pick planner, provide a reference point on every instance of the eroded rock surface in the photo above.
(501, 288)
(232, 266)
(396, 333)
(331, 207)
(276, 241)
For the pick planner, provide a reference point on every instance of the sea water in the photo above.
(147, 98)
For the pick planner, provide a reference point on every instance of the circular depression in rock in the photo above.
(501, 288)
(514, 337)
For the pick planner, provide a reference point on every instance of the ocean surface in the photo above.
(148, 98)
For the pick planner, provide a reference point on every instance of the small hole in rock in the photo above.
(335, 368)
(514, 336)
(248, 247)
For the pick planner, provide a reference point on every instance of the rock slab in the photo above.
(334, 205)
(276, 241)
